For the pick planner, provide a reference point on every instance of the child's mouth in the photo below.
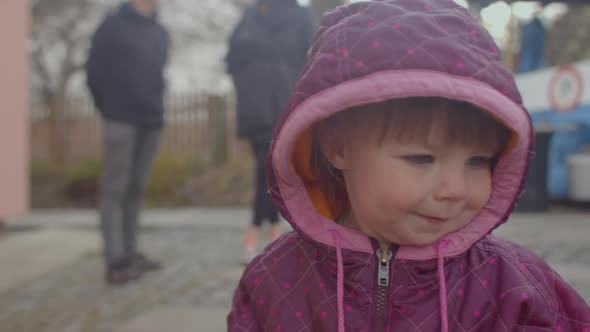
(431, 218)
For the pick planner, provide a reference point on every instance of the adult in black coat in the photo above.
(125, 77)
(267, 50)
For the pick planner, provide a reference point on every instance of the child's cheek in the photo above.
(481, 192)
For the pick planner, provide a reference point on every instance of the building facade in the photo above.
(14, 119)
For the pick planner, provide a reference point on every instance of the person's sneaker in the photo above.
(144, 264)
(249, 249)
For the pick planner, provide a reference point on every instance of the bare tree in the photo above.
(60, 30)
(206, 21)
(568, 41)
(60, 34)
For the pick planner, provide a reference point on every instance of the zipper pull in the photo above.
(383, 270)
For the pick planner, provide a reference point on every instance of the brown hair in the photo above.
(408, 120)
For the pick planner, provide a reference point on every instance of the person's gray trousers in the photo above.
(129, 152)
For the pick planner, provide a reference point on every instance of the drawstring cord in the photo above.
(442, 286)
(340, 280)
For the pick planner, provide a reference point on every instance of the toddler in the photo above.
(404, 145)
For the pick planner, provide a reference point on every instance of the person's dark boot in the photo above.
(121, 272)
(144, 264)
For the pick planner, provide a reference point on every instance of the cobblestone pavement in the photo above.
(202, 267)
(561, 238)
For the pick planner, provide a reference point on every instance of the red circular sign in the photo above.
(565, 89)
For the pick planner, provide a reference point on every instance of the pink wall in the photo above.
(14, 138)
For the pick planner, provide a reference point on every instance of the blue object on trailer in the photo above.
(563, 144)
(532, 47)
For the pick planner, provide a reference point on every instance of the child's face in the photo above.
(414, 193)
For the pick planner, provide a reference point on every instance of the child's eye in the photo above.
(420, 159)
(480, 162)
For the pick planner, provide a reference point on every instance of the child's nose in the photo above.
(451, 186)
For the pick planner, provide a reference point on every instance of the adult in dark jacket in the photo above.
(267, 49)
(125, 77)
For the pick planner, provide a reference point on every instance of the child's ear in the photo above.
(333, 148)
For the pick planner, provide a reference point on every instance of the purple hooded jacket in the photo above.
(325, 277)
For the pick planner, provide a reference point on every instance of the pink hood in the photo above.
(379, 50)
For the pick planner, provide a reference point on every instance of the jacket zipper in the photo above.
(382, 294)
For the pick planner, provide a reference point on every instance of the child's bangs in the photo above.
(438, 121)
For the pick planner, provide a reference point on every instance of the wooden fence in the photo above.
(196, 125)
